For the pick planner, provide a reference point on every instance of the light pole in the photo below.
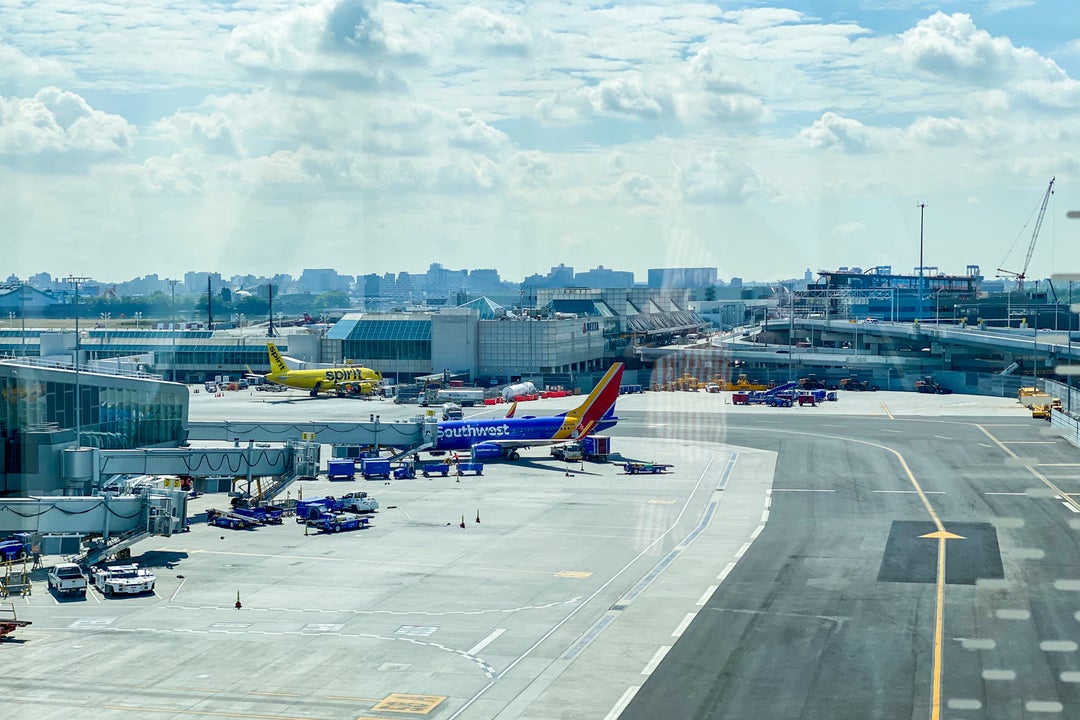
(172, 323)
(138, 317)
(75, 280)
(922, 212)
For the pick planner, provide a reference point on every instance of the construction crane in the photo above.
(1034, 236)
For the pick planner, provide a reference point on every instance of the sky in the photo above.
(760, 138)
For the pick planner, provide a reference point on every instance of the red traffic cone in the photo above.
(478, 515)
(238, 605)
(463, 521)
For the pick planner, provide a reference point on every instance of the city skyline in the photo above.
(760, 139)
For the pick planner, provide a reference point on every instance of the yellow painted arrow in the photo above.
(943, 535)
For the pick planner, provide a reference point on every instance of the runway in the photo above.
(835, 612)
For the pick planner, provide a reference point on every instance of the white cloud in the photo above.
(629, 96)
(479, 30)
(833, 130)
(340, 43)
(952, 47)
(718, 178)
(58, 122)
(22, 73)
(848, 228)
(636, 189)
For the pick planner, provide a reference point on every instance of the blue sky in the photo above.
(759, 138)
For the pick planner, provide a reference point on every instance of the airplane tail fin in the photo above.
(599, 403)
(277, 363)
(512, 410)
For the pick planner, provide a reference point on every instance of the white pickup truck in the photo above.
(359, 502)
(67, 579)
(123, 580)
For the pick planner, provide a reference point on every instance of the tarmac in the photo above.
(542, 589)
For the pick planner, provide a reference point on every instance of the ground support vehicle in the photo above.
(375, 467)
(811, 382)
(452, 411)
(405, 470)
(262, 515)
(337, 522)
(359, 502)
(9, 623)
(570, 452)
(229, 519)
(928, 386)
(854, 383)
(13, 548)
(123, 580)
(807, 399)
(596, 447)
(474, 468)
(640, 468)
(311, 508)
(780, 400)
(436, 469)
(740, 398)
(340, 469)
(67, 579)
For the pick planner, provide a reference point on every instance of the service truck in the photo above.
(123, 580)
(359, 502)
(67, 579)
(570, 452)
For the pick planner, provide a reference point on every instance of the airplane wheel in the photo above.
(515, 455)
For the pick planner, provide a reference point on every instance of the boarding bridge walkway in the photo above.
(403, 434)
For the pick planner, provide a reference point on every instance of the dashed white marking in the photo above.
(485, 642)
(627, 696)
(1071, 508)
(707, 594)
(742, 551)
(757, 531)
(765, 515)
(727, 569)
(911, 492)
(678, 631)
(660, 653)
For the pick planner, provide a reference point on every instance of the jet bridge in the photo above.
(58, 524)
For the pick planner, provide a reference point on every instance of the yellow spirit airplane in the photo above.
(348, 380)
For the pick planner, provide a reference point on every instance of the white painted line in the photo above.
(1006, 493)
(942, 437)
(912, 492)
(678, 631)
(800, 490)
(1068, 505)
(742, 550)
(724, 573)
(757, 531)
(707, 594)
(898, 432)
(656, 659)
(173, 596)
(623, 702)
(1029, 442)
(768, 500)
(765, 515)
(485, 642)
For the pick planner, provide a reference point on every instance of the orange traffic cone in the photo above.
(462, 521)
(238, 605)
(478, 515)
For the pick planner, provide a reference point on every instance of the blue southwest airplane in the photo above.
(503, 437)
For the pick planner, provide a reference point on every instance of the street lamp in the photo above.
(75, 280)
(172, 324)
(138, 317)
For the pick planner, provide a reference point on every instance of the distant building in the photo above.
(602, 277)
(681, 277)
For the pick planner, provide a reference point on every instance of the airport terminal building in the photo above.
(48, 409)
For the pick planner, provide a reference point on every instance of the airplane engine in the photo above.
(486, 451)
